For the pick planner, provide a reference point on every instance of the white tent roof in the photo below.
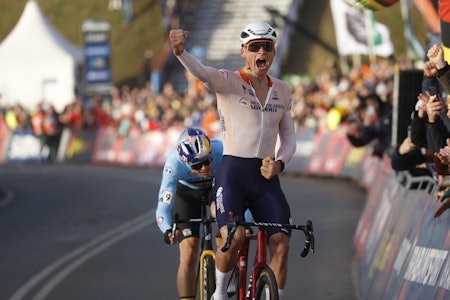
(37, 63)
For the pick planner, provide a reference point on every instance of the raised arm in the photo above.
(211, 77)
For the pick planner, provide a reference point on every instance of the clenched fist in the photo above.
(177, 38)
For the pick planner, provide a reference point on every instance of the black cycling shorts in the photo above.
(188, 206)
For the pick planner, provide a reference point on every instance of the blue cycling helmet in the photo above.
(193, 146)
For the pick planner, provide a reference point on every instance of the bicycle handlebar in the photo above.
(176, 220)
(307, 230)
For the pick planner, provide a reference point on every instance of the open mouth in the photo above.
(261, 63)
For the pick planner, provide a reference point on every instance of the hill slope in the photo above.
(128, 40)
(311, 45)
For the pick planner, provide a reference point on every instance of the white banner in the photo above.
(352, 34)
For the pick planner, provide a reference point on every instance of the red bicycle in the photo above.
(261, 274)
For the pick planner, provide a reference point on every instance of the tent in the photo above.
(37, 63)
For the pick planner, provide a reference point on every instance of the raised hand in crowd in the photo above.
(436, 60)
(444, 153)
(437, 122)
(438, 66)
(406, 147)
(434, 108)
(421, 105)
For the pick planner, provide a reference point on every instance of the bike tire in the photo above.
(233, 286)
(266, 282)
(209, 277)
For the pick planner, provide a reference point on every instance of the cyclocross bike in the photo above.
(206, 269)
(262, 280)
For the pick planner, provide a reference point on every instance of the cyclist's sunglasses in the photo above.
(198, 166)
(254, 46)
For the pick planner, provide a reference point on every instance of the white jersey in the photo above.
(248, 129)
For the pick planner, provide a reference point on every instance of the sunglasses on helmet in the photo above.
(254, 46)
(198, 166)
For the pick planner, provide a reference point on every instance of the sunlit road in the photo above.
(89, 232)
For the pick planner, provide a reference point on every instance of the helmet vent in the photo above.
(244, 35)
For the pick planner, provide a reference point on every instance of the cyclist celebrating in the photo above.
(254, 110)
(191, 164)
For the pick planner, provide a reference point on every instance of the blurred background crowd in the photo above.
(323, 102)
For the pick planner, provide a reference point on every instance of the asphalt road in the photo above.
(89, 232)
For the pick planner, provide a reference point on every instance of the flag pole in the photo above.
(370, 30)
(414, 49)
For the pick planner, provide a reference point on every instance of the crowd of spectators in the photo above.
(125, 108)
(325, 101)
(321, 102)
(426, 149)
(361, 99)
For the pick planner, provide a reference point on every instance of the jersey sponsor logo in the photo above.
(244, 103)
(219, 200)
(273, 107)
(275, 96)
(159, 221)
(167, 197)
(223, 128)
(254, 105)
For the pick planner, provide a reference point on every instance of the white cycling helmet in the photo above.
(258, 30)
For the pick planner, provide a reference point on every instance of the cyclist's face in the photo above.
(259, 56)
(205, 170)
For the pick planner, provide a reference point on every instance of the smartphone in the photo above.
(409, 131)
(432, 91)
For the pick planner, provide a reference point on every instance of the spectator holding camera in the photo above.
(371, 123)
(413, 154)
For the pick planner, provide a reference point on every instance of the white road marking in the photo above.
(81, 255)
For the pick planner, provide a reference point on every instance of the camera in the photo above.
(432, 92)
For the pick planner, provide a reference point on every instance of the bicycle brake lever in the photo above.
(305, 248)
(232, 226)
(174, 224)
(309, 239)
(309, 225)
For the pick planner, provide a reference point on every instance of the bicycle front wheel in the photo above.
(209, 277)
(266, 285)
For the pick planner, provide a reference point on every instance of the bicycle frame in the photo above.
(250, 292)
(206, 247)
